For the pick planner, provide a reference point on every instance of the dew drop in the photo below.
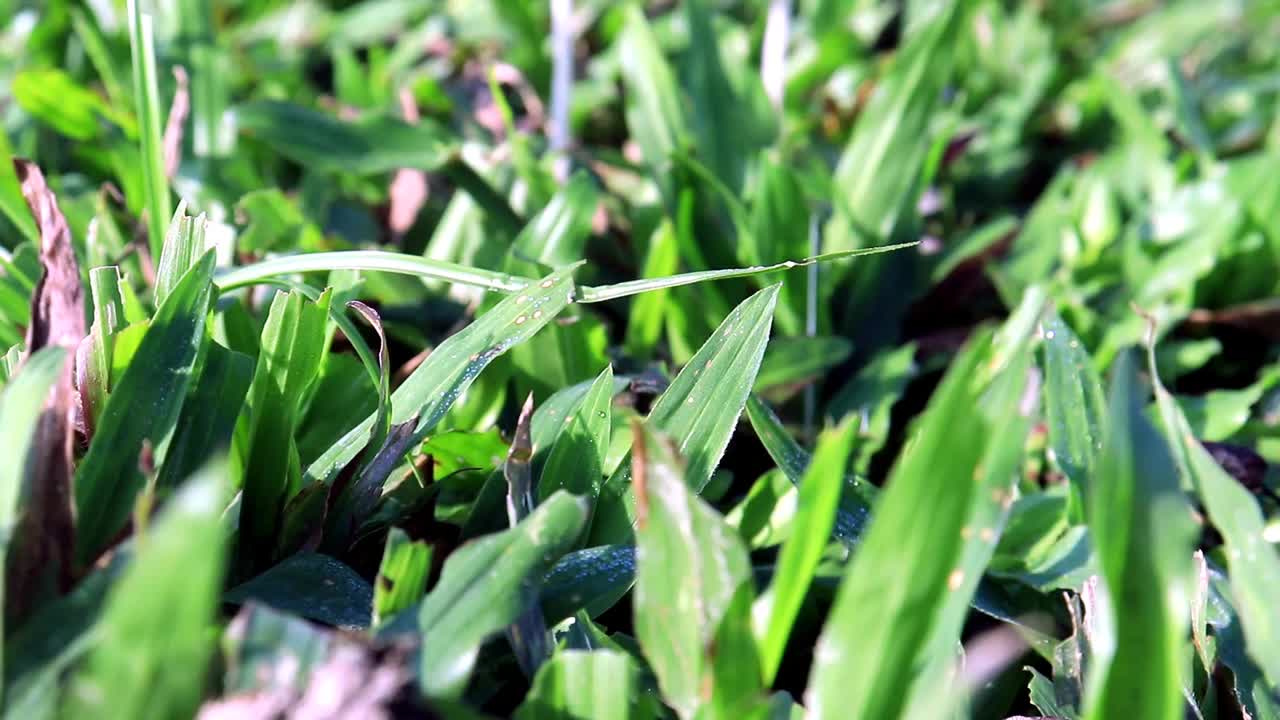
(522, 299)
(520, 320)
(547, 283)
(537, 314)
(955, 579)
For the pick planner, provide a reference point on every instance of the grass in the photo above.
(533, 360)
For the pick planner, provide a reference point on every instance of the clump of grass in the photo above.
(482, 375)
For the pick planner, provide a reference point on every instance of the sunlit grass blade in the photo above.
(793, 460)
(371, 260)
(610, 292)
(485, 585)
(1254, 566)
(146, 97)
(402, 576)
(108, 477)
(576, 461)
(903, 581)
(599, 684)
(690, 565)
(699, 410)
(879, 170)
(820, 491)
(1142, 531)
(1074, 406)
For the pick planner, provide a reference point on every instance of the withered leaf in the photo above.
(45, 535)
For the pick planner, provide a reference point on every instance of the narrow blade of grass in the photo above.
(1142, 532)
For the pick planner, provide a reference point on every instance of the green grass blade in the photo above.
(1254, 567)
(371, 260)
(208, 415)
(1074, 405)
(322, 141)
(313, 586)
(793, 460)
(153, 625)
(1142, 532)
(293, 347)
(431, 389)
(896, 585)
(644, 322)
(600, 684)
(12, 204)
(576, 460)
(880, 168)
(108, 476)
(402, 576)
(820, 492)
(653, 108)
(146, 97)
(485, 585)
(184, 244)
(689, 566)
(591, 580)
(699, 410)
(633, 287)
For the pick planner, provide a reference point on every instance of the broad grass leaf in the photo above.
(485, 586)
(402, 576)
(314, 586)
(690, 566)
(1253, 564)
(905, 581)
(575, 461)
(793, 460)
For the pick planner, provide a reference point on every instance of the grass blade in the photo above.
(146, 96)
(1254, 566)
(699, 410)
(576, 459)
(432, 388)
(402, 576)
(152, 625)
(820, 492)
(293, 347)
(108, 477)
(634, 287)
(484, 587)
(897, 584)
(575, 684)
(20, 407)
(690, 565)
(1142, 532)
(793, 460)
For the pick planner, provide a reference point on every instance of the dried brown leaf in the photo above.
(45, 536)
